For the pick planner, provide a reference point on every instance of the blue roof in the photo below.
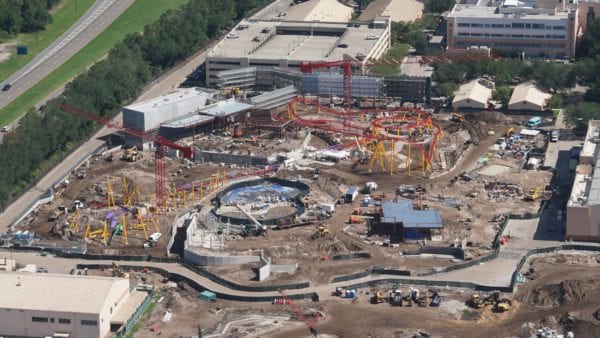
(403, 212)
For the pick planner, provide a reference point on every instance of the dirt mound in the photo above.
(565, 292)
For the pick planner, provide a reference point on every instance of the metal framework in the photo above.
(159, 144)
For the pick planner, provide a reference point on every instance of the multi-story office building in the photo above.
(534, 27)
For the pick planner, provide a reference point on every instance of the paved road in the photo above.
(95, 20)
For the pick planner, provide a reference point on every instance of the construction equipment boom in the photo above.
(160, 143)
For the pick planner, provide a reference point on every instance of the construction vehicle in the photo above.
(436, 299)
(377, 297)
(396, 298)
(541, 191)
(323, 231)
(130, 154)
(237, 132)
(229, 92)
(510, 131)
(117, 271)
(417, 298)
(475, 301)
(502, 305)
(456, 117)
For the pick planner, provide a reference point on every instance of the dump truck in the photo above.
(377, 297)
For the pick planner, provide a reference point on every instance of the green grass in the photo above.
(62, 19)
(134, 19)
(394, 54)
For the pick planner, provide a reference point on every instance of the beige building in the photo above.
(53, 305)
(527, 97)
(319, 10)
(397, 10)
(474, 95)
(533, 27)
(583, 208)
(286, 44)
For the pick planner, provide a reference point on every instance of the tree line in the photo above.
(44, 136)
(24, 16)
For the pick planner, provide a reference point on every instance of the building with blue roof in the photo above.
(401, 221)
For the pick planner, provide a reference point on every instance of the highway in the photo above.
(168, 82)
(93, 22)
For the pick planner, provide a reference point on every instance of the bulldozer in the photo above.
(323, 231)
(510, 131)
(456, 117)
(131, 154)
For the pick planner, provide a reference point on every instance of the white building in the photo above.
(527, 97)
(286, 44)
(473, 95)
(52, 305)
(533, 27)
(583, 207)
(178, 114)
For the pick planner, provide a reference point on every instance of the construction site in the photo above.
(301, 196)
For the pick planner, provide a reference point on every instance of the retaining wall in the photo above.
(264, 271)
(199, 259)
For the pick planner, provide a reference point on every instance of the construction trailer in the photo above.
(351, 194)
(402, 222)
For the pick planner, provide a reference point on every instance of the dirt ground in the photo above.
(560, 294)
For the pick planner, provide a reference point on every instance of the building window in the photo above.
(560, 37)
(518, 25)
(487, 25)
(475, 34)
(462, 24)
(517, 36)
(528, 25)
(538, 26)
(463, 34)
(39, 319)
(496, 25)
(476, 25)
(559, 28)
(51, 320)
(498, 35)
(64, 321)
(89, 322)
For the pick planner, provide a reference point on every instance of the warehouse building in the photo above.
(286, 44)
(527, 97)
(583, 207)
(533, 27)
(182, 113)
(473, 95)
(402, 222)
(53, 305)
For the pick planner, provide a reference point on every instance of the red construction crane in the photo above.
(159, 147)
(345, 65)
(310, 320)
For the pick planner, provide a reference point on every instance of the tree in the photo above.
(556, 101)
(440, 6)
(590, 43)
(585, 111)
(502, 94)
(446, 89)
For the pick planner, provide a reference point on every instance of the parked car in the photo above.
(6, 87)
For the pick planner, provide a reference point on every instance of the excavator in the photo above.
(117, 271)
(475, 301)
(456, 117)
(541, 191)
(502, 305)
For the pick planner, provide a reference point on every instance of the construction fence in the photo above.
(199, 288)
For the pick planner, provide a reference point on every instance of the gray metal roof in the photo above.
(225, 108)
(187, 121)
(403, 212)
